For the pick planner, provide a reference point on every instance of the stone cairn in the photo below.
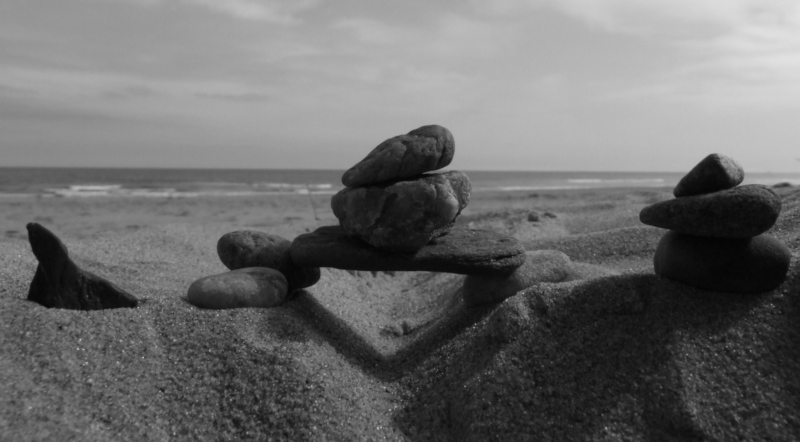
(716, 237)
(393, 216)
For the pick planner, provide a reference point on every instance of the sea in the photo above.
(188, 183)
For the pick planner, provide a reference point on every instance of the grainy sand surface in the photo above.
(616, 353)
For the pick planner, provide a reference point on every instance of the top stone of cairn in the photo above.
(404, 156)
(715, 172)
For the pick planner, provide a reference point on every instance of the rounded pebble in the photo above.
(251, 248)
(748, 265)
(249, 287)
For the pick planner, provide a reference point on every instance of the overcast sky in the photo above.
(650, 85)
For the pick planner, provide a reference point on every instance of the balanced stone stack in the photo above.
(393, 215)
(390, 203)
(716, 237)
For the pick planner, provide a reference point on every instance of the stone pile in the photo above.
(394, 215)
(390, 203)
(262, 273)
(716, 237)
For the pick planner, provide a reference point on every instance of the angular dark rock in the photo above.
(60, 283)
(734, 265)
(403, 215)
(540, 266)
(249, 248)
(715, 172)
(463, 251)
(741, 212)
(248, 287)
(422, 150)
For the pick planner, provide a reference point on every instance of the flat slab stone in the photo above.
(741, 212)
(463, 251)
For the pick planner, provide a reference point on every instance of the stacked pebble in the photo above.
(716, 239)
(391, 203)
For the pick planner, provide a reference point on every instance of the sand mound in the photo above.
(369, 356)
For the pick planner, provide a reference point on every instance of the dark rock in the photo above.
(403, 215)
(741, 212)
(734, 265)
(463, 251)
(782, 185)
(534, 217)
(249, 287)
(59, 283)
(715, 172)
(549, 214)
(540, 266)
(250, 248)
(404, 156)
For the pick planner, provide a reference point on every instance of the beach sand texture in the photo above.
(615, 353)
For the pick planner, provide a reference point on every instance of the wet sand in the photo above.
(616, 354)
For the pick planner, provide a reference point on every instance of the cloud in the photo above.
(274, 11)
(730, 52)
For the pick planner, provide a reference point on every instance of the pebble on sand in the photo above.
(734, 265)
(60, 283)
(403, 215)
(249, 287)
(539, 266)
(249, 248)
(741, 212)
(462, 251)
(422, 150)
(715, 172)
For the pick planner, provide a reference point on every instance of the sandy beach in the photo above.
(615, 353)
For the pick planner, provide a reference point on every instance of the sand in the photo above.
(616, 353)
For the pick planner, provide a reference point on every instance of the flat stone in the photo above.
(741, 212)
(249, 287)
(540, 266)
(422, 150)
(733, 265)
(715, 172)
(249, 248)
(403, 215)
(60, 283)
(463, 251)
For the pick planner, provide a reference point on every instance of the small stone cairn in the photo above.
(716, 237)
(390, 203)
(394, 216)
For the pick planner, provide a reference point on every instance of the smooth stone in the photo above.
(540, 266)
(403, 216)
(249, 248)
(715, 172)
(463, 251)
(734, 265)
(741, 212)
(249, 287)
(422, 150)
(60, 283)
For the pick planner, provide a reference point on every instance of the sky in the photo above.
(590, 85)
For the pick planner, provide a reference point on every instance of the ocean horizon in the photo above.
(165, 183)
